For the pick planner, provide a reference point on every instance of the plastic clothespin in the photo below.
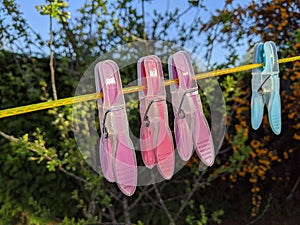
(117, 154)
(265, 87)
(156, 141)
(191, 127)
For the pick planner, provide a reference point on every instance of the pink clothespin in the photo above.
(117, 154)
(191, 127)
(155, 136)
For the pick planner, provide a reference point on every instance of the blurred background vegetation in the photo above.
(45, 180)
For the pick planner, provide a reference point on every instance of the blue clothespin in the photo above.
(265, 87)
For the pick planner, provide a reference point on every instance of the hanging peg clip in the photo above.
(116, 150)
(156, 141)
(190, 125)
(265, 87)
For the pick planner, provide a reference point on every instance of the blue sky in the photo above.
(41, 23)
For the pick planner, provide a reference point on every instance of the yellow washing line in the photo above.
(88, 97)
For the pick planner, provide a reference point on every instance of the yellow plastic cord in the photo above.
(88, 97)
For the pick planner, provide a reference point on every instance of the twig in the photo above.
(293, 189)
(195, 187)
(168, 6)
(112, 214)
(71, 38)
(13, 139)
(161, 201)
(114, 195)
(150, 214)
(154, 202)
(51, 57)
(144, 23)
(73, 175)
(184, 12)
(224, 150)
(214, 37)
(8, 137)
(126, 211)
(263, 212)
(141, 194)
(144, 27)
(131, 34)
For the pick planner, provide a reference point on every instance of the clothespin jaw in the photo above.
(265, 87)
(257, 103)
(271, 86)
(271, 59)
(258, 57)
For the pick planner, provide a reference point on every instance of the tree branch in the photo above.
(126, 211)
(13, 139)
(225, 150)
(134, 37)
(141, 194)
(150, 214)
(161, 201)
(144, 27)
(293, 189)
(263, 212)
(73, 175)
(113, 217)
(72, 40)
(9, 137)
(191, 193)
(51, 57)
